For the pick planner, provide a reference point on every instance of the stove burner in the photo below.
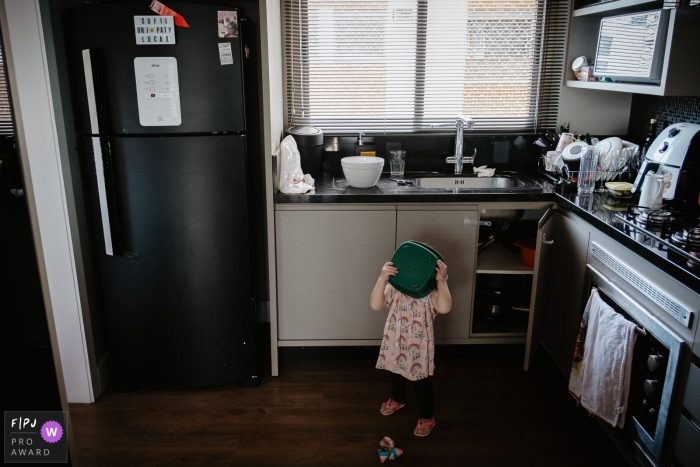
(687, 239)
(680, 228)
(693, 239)
(654, 218)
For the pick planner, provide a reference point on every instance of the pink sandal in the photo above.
(429, 424)
(391, 406)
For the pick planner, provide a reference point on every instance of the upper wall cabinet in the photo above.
(680, 71)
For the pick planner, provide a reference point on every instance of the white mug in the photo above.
(652, 191)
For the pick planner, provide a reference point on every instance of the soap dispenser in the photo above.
(364, 149)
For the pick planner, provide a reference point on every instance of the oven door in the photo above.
(656, 361)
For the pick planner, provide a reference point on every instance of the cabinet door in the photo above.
(539, 285)
(456, 242)
(564, 293)
(327, 265)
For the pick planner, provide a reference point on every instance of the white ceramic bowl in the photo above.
(362, 171)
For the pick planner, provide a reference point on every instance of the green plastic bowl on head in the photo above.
(416, 263)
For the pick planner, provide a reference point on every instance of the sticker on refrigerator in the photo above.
(225, 53)
(154, 30)
(228, 24)
(165, 11)
(158, 91)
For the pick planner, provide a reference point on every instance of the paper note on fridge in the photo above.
(225, 53)
(158, 91)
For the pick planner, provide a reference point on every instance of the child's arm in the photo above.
(444, 299)
(376, 300)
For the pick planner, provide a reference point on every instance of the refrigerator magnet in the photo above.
(154, 30)
(228, 24)
(163, 10)
(225, 53)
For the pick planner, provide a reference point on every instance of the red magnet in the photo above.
(163, 10)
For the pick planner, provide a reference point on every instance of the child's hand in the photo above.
(441, 271)
(388, 270)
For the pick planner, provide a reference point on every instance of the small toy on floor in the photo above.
(388, 450)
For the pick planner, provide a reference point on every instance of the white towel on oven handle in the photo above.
(607, 363)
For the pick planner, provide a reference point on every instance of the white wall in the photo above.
(595, 112)
(44, 185)
(273, 129)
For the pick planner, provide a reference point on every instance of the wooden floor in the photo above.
(488, 412)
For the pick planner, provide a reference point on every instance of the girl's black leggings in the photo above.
(423, 389)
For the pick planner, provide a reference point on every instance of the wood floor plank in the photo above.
(489, 412)
(157, 456)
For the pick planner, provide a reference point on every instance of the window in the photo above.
(403, 65)
(6, 127)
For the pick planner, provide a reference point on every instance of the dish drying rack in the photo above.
(558, 177)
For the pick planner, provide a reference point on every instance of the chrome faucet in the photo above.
(459, 159)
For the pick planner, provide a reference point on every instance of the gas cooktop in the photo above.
(670, 233)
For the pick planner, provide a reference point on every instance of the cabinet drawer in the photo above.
(687, 449)
(691, 401)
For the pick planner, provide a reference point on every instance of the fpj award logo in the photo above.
(37, 437)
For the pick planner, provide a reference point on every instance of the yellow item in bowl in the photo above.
(619, 186)
(619, 189)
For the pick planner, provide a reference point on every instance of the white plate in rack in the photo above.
(609, 144)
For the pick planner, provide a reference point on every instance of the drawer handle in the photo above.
(468, 221)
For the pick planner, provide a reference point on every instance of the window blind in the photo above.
(6, 126)
(392, 66)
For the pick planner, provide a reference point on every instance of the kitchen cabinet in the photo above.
(687, 445)
(680, 64)
(327, 264)
(329, 257)
(495, 260)
(444, 229)
(696, 345)
(564, 291)
(541, 275)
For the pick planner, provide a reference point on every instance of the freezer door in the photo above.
(108, 84)
(181, 313)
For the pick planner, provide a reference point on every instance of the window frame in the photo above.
(547, 72)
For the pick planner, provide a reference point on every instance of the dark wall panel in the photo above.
(667, 110)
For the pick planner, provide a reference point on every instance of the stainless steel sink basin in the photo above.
(468, 183)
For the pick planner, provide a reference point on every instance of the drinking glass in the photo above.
(604, 165)
(397, 162)
(587, 170)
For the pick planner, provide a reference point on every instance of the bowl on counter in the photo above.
(362, 171)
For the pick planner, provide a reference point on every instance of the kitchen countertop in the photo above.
(598, 209)
(333, 188)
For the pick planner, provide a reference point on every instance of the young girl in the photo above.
(408, 347)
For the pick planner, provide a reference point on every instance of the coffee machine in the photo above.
(675, 154)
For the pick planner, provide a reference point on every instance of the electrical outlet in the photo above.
(500, 152)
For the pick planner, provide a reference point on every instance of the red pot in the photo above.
(527, 251)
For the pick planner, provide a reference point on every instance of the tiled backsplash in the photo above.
(425, 152)
(666, 110)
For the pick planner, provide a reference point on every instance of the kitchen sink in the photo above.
(469, 182)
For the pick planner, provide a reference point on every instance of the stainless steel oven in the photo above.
(658, 360)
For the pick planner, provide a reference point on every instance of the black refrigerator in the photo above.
(162, 118)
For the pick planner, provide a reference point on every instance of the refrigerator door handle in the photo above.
(90, 88)
(105, 191)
